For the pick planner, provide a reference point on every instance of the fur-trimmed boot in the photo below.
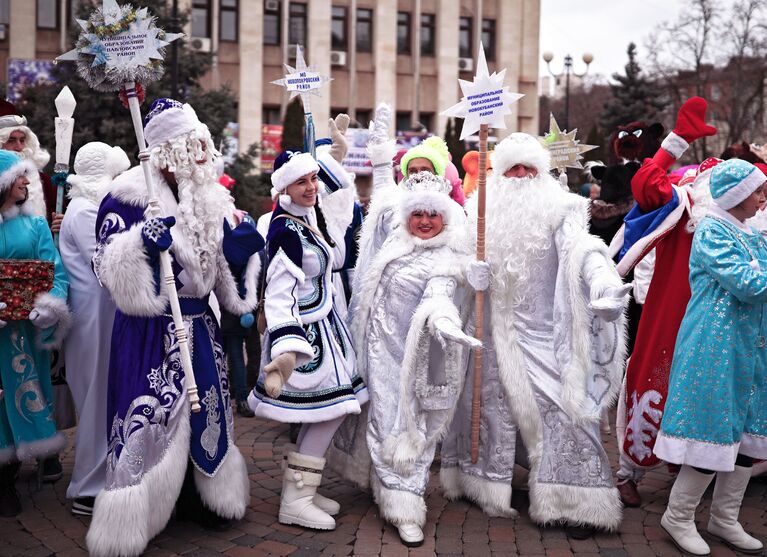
(303, 475)
(679, 519)
(725, 507)
(327, 504)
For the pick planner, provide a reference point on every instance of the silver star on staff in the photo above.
(302, 72)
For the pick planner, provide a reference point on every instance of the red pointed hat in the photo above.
(10, 116)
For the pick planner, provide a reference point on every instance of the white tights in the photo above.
(314, 439)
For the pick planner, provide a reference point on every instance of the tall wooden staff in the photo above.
(64, 125)
(305, 81)
(119, 47)
(485, 103)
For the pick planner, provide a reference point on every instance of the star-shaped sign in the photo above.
(486, 100)
(302, 80)
(131, 49)
(566, 151)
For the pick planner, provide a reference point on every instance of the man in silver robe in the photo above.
(553, 355)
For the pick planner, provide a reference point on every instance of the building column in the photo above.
(530, 54)
(447, 59)
(23, 30)
(385, 54)
(251, 22)
(319, 57)
(509, 31)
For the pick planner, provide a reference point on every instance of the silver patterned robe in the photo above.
(550, 366)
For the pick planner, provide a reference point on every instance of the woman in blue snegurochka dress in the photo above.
(27, 428)
(716, 415)
(309, 371)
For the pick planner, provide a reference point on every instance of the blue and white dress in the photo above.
(717, 396)
(302, 317)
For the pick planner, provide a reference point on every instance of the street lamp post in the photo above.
(175, 24)
(567, 70)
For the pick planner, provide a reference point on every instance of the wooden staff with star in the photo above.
(305, 81)
(119, 48)
(485, 103)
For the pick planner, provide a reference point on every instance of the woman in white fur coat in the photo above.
(414, 385)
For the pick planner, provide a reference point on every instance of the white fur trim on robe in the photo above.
(399, 507)
(493, 497)
(60, 309)
(226, 287)
(228, 492)
(125, 270)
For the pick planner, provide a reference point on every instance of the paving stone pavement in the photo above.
(46, 527)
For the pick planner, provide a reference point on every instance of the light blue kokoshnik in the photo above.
(717, 404)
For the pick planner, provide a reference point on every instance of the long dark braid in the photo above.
(323, 226)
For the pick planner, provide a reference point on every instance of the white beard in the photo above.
(202, 207)
(521, 217)
(702, 201)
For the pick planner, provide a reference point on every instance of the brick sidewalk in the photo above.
(46, 526)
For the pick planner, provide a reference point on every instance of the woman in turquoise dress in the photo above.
(27, 427)
(716, 414)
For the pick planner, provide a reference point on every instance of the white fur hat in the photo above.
(520, 148)
(425, 191)
(289, 166)
(97, 163)
(168, 118)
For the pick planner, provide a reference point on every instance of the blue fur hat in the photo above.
(733, 181)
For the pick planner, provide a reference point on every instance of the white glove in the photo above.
(337, 129)
(42, 318)
(380, 148)
(608, 300)
(445, 330)
(2, 307)
(478, 274)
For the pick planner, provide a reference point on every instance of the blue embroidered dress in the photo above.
(27, 427)
(717, 400)
(302, 317)
(151, 431)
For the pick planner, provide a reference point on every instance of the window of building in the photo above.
(403, 32)
(404, 121)
(338, 28)
(427, 119)
(464, 38)
(297, 24)
(229, 20)
(364, 30)
(428, 33)
(201, 18)
(271, 115)
(364, 116)
(5, 12)
(48, 14)
(716, 93)
(272, 25)
(488, 38)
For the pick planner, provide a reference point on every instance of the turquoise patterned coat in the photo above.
(27, 428)
(717, 400)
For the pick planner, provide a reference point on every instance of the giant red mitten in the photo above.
(691, 120)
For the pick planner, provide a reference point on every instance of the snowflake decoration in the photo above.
(117, 45)
(566, 151)
(486, 100)
(302, 80)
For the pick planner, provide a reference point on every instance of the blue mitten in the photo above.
(241, 243)
(156, 235)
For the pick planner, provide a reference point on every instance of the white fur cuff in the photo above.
(57, 306)
(674, 145)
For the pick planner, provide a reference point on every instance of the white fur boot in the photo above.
(327, 504)
(303, 475)
(679, 519)
(725, 507)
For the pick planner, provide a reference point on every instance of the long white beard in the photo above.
(203, 205)
(521, 216)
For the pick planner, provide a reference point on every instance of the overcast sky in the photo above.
(602, 27)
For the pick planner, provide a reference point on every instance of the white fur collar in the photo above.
(16, 210)
(130, 188)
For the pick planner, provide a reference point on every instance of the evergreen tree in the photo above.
(293, 127)
(455, 145)
(634, 97)
(101, 116)
(595, 137)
